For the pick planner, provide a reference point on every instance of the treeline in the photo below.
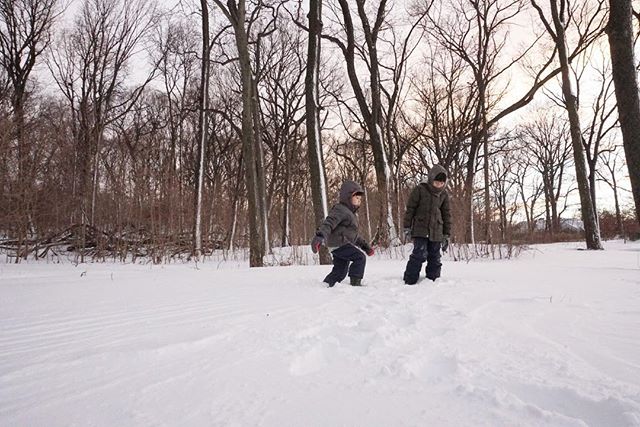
(128, 130)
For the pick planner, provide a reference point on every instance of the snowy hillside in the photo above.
(550, 339)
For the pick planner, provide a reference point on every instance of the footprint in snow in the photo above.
(610, 411)
(432, 367)
(309, 361)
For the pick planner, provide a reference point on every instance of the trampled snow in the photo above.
(549, 339)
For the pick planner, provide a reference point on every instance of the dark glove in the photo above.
(317, 241)
(407, 234)
(368, 249)
(445, 243)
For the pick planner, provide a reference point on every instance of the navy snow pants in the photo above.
(423, 250)
(342, 256)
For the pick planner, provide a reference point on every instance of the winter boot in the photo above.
(356, 282)
(330, 285)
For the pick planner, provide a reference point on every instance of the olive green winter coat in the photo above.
(427, 213)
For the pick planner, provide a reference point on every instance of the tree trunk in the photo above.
(23, 180)
(386, 224)
(314, 134)
(592, 233)
(214, 202)
(591, 176)
(251, 143)
(482, 100)
(24, 35)
(367, 213)
(547, 209)
(234, 207)
(85, 165)
(619, 225)
(467, 192)
(256, 232)
(487, 191)
(286, 203)
(96, 177)
(371, 117)
(202, 129)
(234, 224)
(263, 218)
(621, 43)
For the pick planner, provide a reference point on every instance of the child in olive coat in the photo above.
(427, 221)
(339, 232)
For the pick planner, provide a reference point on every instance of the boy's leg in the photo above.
(340, 267)
(416, 259)
(358, 262)
(343, 255)
(433, 260)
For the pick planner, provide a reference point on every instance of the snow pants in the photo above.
(423, 250)
(342, 257)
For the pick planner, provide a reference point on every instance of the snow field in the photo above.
(549, 339)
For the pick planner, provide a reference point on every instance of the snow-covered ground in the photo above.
(549, 339)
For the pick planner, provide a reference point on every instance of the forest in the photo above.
(172, 131)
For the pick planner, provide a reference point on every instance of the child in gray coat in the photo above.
(339, 232)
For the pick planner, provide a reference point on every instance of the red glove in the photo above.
(317, 241)
(368, 249)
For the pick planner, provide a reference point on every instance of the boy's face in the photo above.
(438, 184)
(356, 200)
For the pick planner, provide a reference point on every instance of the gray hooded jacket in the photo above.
(428, 213)
(340, 227)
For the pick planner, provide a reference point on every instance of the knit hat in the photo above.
(442, 177)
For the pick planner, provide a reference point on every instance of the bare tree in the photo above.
(90, 68)
(600, 126)
(476, 32)
(504, 189)
(394, 71)
(445, 101)
(614, 165)
(530, 188)
(548, 142)
(371, 113)
(135, 132)
(175, 52)
(314, 134)
(621, 44)
(600, 117)
(242, 22)
(282, 90)
(5, 138)
(225, 161)
(203, 106)
(25, 32)
(562, 13)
